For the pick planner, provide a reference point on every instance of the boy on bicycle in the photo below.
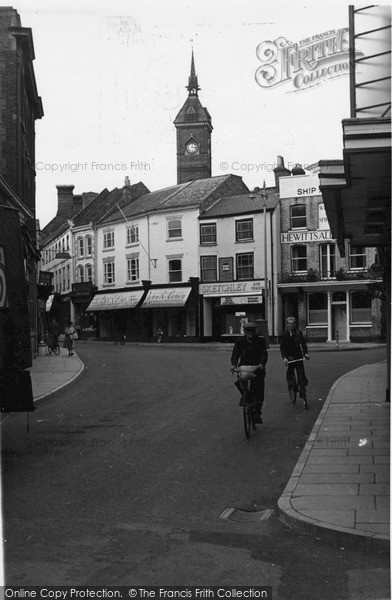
(293, 347)
(252, 350)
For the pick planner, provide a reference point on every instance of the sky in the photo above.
(112, 77)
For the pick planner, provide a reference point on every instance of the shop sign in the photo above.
(299, 186)
(305, 236)
(228, 300)
(167, 297)
(115, 301)
(231, 287)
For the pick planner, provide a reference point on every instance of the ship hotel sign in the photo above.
(305, 63)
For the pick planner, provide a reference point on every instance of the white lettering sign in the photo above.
(230, 287)
(292, 237)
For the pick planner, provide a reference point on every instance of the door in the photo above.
(339, 322)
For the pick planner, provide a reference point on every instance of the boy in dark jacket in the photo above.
(252, 350)
(293, 347)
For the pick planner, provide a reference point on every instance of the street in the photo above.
(123, 476)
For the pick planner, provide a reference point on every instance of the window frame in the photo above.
(240, 268)
(239, 239)
(132, 230)
(89, 246)
(293, 217)
(133, 265)
(171, 237)
(211, 242)
(171, 271)
(213, 269)
(80, 247)
(361, 321)
(309, 310)
(356, 255)
(331, 273)
(109, 264)
(293, 258)
(108, 236)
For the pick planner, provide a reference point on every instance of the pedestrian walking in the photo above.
(293, 347)
(159, 335)
(52, 336)
(251, 349)
(69, 336)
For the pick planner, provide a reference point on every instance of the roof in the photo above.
(192, 194)
(242, 204)
(199, 113)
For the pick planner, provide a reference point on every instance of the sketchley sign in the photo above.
(305, 63)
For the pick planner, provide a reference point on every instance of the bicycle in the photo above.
(302, 388)
(246, 385)
(53, 344)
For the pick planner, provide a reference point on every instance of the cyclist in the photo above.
(251, 349)
(293, 347)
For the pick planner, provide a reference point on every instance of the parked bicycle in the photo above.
(246, 377)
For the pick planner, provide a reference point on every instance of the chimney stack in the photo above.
(77, 203)
(65, 201)
(280, 170)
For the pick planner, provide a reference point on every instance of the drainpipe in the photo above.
(148, 246)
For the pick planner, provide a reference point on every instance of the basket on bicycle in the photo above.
(247, 372)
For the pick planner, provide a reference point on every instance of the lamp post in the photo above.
(264, 196)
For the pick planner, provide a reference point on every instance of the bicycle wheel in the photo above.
(56, 350)
(50, 350)
(248, 421)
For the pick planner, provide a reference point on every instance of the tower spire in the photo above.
(193, 85)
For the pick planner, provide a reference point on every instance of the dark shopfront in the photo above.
(227, 306)
(138, 314)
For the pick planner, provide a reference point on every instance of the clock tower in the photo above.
(193, 124)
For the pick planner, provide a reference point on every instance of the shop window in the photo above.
(299, 260)
(244, 230)
(133, 269)
(108, 240)
(298, 216)
(357, 257)
(108, 272)
(68, 277)
(89, 273)
(80, 247)
(80, 272)
(208, 266)
(89, 245)
(174, 229)
(318, 309)
(245, 266)
(361, 307)
(328, 260)
(132, 235)
(175, 270)
(208, 234)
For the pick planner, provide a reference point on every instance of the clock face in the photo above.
(192, 147)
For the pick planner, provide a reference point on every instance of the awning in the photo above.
(49, 302)
(166, 297)
(116, 301)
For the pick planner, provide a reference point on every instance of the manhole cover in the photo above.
(233, 514)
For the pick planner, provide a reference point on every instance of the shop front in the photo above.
(333, 312)
(174, 311)
(117, 313)
(227, 306)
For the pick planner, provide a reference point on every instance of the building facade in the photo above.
(21, 106)
(326, 292)
(238, 257)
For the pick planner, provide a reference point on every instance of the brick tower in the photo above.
(193, 124)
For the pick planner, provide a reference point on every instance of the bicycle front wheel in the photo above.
(248, 421)
(56, 350)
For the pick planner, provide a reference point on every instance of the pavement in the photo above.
(340, 486)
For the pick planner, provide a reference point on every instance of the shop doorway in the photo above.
(339, 322)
